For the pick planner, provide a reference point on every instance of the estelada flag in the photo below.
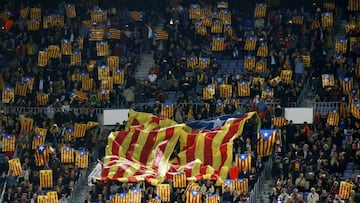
(46, 22)
(315, 24)
(195, 11)
(263, 50)
(163, 191)
(103, 95)
(26, 125)
(103, 71)
(35, 13)
(194, 196)
(15, 166)
(257, 80)
(222, 4)
(57, 20)
(225, 91)
(268, 93)
(80, 130)
(217, 26)
(113, 33)
(81, 158)
(96, 34)
(102, 48)
(167, 110)
(354, 106)
(43, 58)
(53, 196)
(249, 63)
(225, 16)
(235, 102)
(340, 59)
(69, 133)
(30, 82)
(41, 155)
(80, 42)
(24, 12)
(21, 88)
(260, 10)
(160, 34)
(327, 19)
(113, 62)
(42, 199)
(261, 66)
(98, 15)
(192, 61)
(204, 62)
(8, 142)
(67, 154)
(75, 58)
(107, 83)
(229, 183)
(79, 95)
(66, 47)
(228, 29)
(333, 118)
(40, 131)
(200, 28)
(156, 199)
(87, 84)
(286, 76)
(242, 185)
(38, 140)
(329, 5)
(46, 178)
(279, 121)
(346, 84)
(70, 10)
(353, 5)
(42, 98)
(54, 51)
(306, 60)
(179, 180)
(8, 95)
(341, 45)
(208, 92)
(212, 198)
(243, 162)
(207, 20)
(353, 41)
(136, 16)
(119, 76)
(91, 124)
(345, 189)
(33, 24)
(265, 143)
(328, 80)
(134, 195)
(218, 43)
(275, 81)
(250, 43)
(298, 20)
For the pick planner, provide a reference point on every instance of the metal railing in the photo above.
(324, 107)
(303, 92)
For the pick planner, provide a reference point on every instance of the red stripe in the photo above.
(208, 142)
(149, 144)
(161, 148)
(116, 143)
(130, 151)
(190, 140)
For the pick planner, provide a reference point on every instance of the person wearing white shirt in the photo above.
(313, 197)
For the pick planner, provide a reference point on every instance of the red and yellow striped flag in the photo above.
(57, 21)
(53, 196)
(218, 43)
(268, 93)
(231, 184)
(206, 20)
(46, 178)
(33, 25)
(38, 140)
(353, 5)
(260, 10)
(67, 155)
(80, 130)
(333, 118)
(104, 95)
(30, 82)
(346, 84)
(194, 196)
(81, 159)
(113, 34)
(70, 10)
(222, 4)
(42, 98)
(225, 91)
(279, 122)
(261, 66)
(119, 198)
(24, 12)
(329, 5)
(327, 19)
(79, 95)
(156, 199)
(43, 58)
(204, 62)
(192, 61)
(286, 76)
(217, 26)
(41, 155)
(96, 35)
(75, 58)
(263, 50)
(298, 20)
(91, 124)
(136, 16)
(250, 43)
(353, 41)
(54, 51)
(315, 24)
(107, 83)
(225, 16)
(228, 29)
(195, 11)
(275, 81)
(179, 180)
(26, 125)
(242, 185)
(87, 84)
(265, 143)
(35, 13)
(328, 80)
(103, 72)
(212, 198)
(102, 48)
(42, 199)
(69, 133)
(66, 47)
(21, 88)
(306, 60)
(257, 80)
(163, 191)
(340, 59)
(354, 106)
(15, 166)
(160, 34)
(345, 189)
(80, 42)
(8, 142)
(341, 45)
(46, 22)
(243, 162)
(167, 110)
(249, 63)
(113, 62)
(208, 92)
(8, 95)
(200, 28)
(98, 15)
(40, 131)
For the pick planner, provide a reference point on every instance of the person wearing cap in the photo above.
(313, 197)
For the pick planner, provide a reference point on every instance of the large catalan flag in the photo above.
(148, 120)
(8, 95)
(136, 16)
(15, 166)
(218, 43)
(333, 118)
(46, 178)
(345, 189)
(194, 196)
(225, 91)
(113, 34)
(41, 155)
(26, 125)
(67, 154)
(8, 142)
(265, 143)
(70, 10)
(243, 162)
(81, 159)
(327, 19)
(80, 130)
(102, 48)
(250, 43)
(167, 110)
(328, 80)
(260, 10)
(163, 191)
(107, 83)
(103, 95)
(179, 180)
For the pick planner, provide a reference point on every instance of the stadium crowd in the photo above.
(312, 162)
